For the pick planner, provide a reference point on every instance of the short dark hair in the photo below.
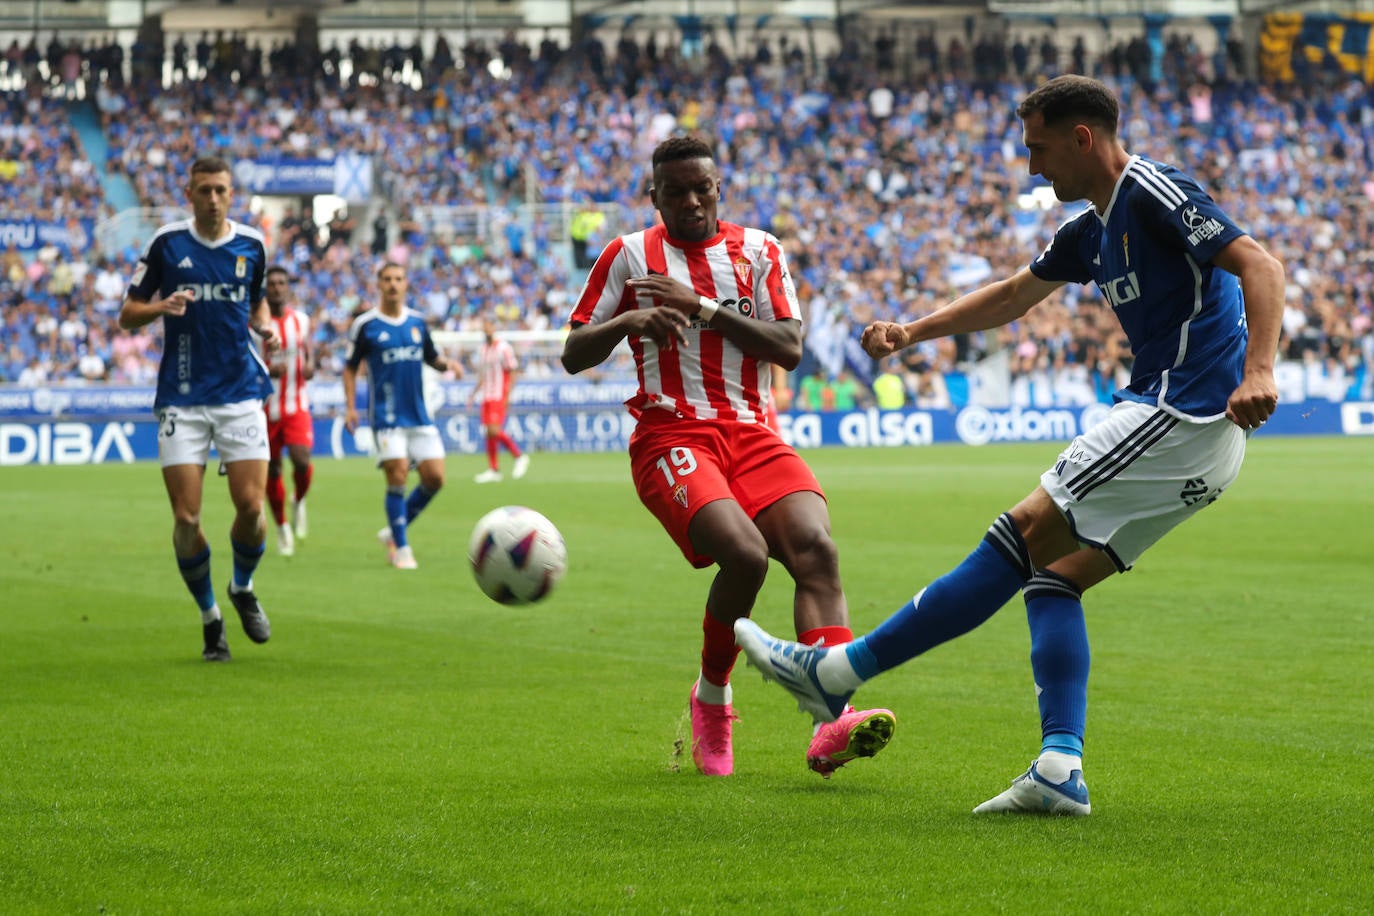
(1073, 97)
(209, 165)
(675, 149)
(388, 265)
(278, 269)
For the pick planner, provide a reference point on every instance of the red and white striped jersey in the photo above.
(496, 363)
(743, 269)
(288, 388)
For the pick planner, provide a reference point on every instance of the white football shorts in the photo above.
(237, 431)
(416, 443)
(1126, 482)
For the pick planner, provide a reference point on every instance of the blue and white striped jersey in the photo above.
(396, 350)
(1150, 253)
(208, 354)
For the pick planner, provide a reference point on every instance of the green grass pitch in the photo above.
(403, 745)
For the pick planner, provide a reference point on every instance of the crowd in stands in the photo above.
(893, 182)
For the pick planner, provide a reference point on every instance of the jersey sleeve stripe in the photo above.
(596, 294)
(778, 305)
(1166, 191)
(1165, 181)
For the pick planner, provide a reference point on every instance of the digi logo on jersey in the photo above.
(215, 292)
(402, 355)
(1122, 290)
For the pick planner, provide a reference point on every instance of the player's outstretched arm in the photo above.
(1262, 283)
(883, 338)
(987, 307)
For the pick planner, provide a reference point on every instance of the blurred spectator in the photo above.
(815, 392)
(341, 226)
(929, 391)
(846, 393)
(878, 223)
(889, 392)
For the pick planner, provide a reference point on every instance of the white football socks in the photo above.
(713, 693)
(1056, 765)
(210, 616)
(835, 672)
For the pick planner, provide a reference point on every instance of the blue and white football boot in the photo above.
(1031, 793)
(792, 665)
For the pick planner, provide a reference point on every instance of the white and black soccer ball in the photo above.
(517, 555)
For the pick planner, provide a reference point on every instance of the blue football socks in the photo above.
(396, 514)
(1060, 659)
(195, 570)
(416, 502)
(952, 605)
(245, 561)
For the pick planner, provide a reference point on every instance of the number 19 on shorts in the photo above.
(678, 463)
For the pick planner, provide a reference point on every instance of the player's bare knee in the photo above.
(184, 517)
(811, 555)
(1043, 528)
(185, 534)
(744, 560)
(1085, 567)
(248, 508)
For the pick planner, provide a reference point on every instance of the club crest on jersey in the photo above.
(241, 267)
(680, 495)
(745, 271)
(415, 334)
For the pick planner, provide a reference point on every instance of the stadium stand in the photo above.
(891, 170)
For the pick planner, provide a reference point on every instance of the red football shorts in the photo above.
(494, 413)
(292, 429)
(681, 465)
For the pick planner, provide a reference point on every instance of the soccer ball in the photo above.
(517, 555)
